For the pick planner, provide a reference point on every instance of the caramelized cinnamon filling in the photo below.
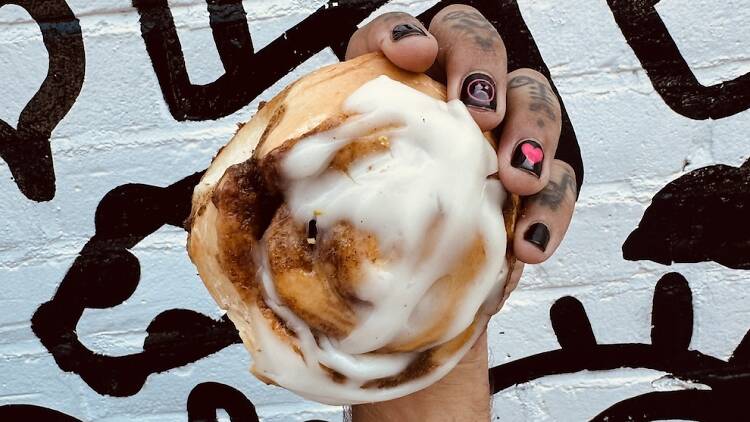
(358, 150)
(248, 192)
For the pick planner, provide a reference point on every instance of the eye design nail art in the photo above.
(479, 91)
(529, 156)
(406, 30)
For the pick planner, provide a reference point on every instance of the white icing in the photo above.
(436, 168)
(277, 361)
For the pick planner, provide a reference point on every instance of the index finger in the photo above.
(400, 36)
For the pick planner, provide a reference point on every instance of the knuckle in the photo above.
(532, 74)
(489, 46)
(537, 92)
(466, 26)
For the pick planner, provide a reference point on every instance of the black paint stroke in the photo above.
(202, 403)
(692, 405)
(701, 216)
(26, 148)
(31, 413)
(105, 274)
(247, 73)
(672, 316)
(727, 380)
(742, 352)
(207, 397)
(571, 325)
(645, 32)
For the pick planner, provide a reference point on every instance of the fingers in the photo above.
(473, 57)
(530, 132)
(401, 37)
(546, 216)
(471, 54)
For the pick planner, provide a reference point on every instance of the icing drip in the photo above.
(428, 191)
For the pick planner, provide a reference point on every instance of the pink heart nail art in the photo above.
(533, 153)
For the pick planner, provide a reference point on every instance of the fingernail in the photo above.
(537, 235)
(528, 156)
(406, 30)
(478, 90)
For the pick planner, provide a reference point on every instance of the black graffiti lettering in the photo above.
(26, 148)
(29, 413)
(247, 73)
(202, 403)
(672, 311)
(207, 397)
(670, 75)
(105, 274)
(701, 216)
(680, 405)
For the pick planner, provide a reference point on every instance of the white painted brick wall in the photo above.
(120, 131)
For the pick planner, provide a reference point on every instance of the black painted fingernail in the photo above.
(479, 91)
(528, 156)
(537, 235)
(406, 30)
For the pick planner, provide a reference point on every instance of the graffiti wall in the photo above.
(110, 111)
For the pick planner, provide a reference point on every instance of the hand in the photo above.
(464, 50)
(462, 45)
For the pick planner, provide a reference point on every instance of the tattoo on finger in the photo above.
(475, 26)
(553, 195)
(519, 81)
(542, 99)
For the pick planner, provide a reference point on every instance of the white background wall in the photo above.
(120, 131)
